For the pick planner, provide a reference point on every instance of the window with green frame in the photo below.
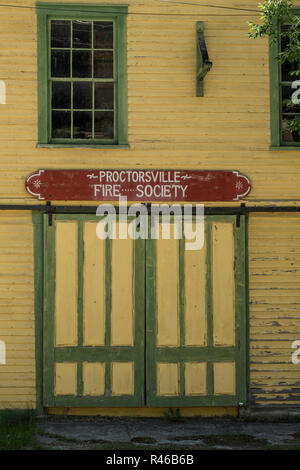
(285, 107)
(82, 75)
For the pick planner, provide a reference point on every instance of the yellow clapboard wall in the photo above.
(17, 377)
(274, 268)
(169, 127)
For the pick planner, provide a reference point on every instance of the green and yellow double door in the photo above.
(144, 322)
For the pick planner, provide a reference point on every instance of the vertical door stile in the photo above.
(48, 320)
(151, 359)
(209, 308)
(108, 313)
(241, 308)
(181, 247)
(80, 258)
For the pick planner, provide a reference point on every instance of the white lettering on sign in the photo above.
(2, 353)
(295, 358)
(150, 184)
(2, 92)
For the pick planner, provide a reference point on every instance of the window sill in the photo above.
(80, 146)
(285, 147)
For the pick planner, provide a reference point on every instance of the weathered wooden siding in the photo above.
(169, 127)
(17, 377)
(274, 265)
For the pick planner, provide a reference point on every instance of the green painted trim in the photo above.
(43, 100)
(80, 267)
(210, 378)
(181, 387)
(74, 146)
(118, 14)
(151, 379)
(108, 294)
(94, 354)
(79, 379)
(284, 147)
(49, 292)
(190, 353)
(274, 93)
(209, 297)
(139, 315)
(241, 310)
(247, 319)
(38, 234)
(181, 289)
(81, 8)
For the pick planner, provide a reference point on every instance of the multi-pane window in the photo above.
(82, 94)
(285, 93)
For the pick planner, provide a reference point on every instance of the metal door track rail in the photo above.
(48, 208)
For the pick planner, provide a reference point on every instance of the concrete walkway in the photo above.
(154, 433)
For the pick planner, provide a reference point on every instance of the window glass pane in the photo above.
(103, 35)
(82, 34)
(61, 95)
(82, 64)
(103, 64)
(82, 95)
(286, 71)
(60, 63)
(291, 134)
(82, 125)
(104, 125)
(61, 124)
(104, 96)
(60, 33)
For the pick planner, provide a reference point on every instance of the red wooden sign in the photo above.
(138, 185)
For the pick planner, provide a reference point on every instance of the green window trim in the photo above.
(115, 13)
(275, 98)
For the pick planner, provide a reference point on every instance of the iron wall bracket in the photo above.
(203, 63)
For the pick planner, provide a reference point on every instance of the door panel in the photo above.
(94, 316)
(123, 317)
(196, 334)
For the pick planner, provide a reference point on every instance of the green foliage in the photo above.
(17, 430)
(279, 12)
(279, 21)
(294, 125)
(173, 415)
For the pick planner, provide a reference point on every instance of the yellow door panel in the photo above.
(93, 378)
(167, 264)
(122, 378)
(223, 287)
(195, 297)
(94, 287)
(65, 378)
(167, 379)
(195, 378)
(224, 378)
(122, 292)
(66, 284)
